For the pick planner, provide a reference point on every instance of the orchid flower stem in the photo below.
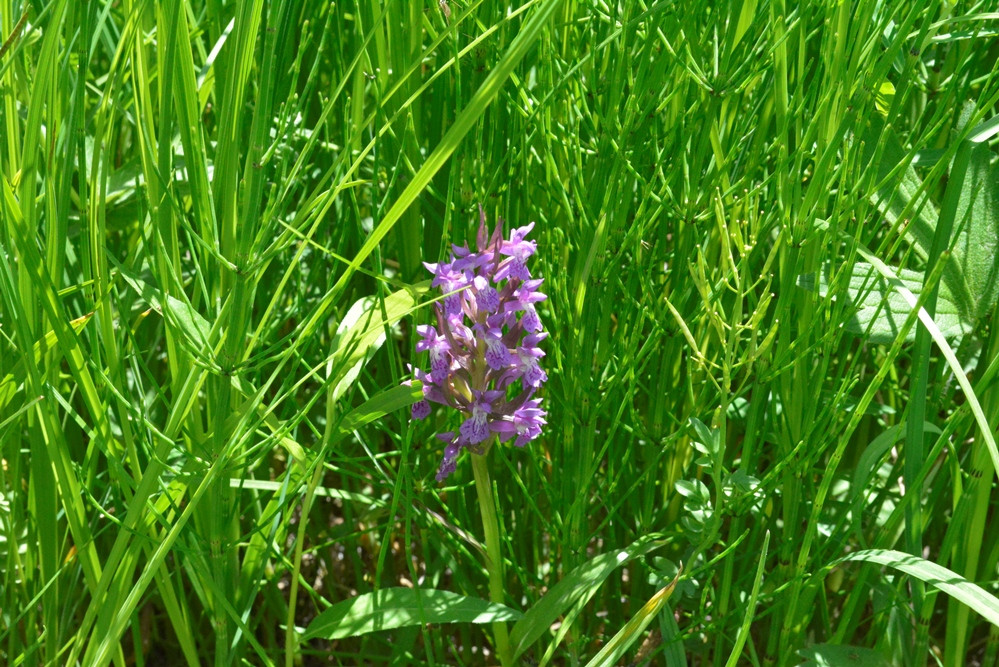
(490, 525)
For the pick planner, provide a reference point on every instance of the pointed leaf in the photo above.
(709, 437)
(362, 331)
(626, 636)
(379, 406)
(578, 585)
(392, 608)
(185, 319)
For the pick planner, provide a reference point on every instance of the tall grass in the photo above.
(760, 449)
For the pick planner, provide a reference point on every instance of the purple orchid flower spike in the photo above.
(487, 336)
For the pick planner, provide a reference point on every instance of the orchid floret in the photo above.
(486, 337)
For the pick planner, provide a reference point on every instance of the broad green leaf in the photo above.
(880, 311)
(971, 279)
(392, 608)
(903, 192)
(362, 331)
(626, 636)
(976, 227)
(707, 436)
(832, 655)
(936, 576)
(578, 585)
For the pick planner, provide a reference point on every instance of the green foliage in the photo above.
(939, 577)
(392, 608)
(572, 592)
(626, 636)
(831, 655)
(769, 233)
(879, 309)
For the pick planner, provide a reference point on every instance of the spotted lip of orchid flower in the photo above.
(486, 338)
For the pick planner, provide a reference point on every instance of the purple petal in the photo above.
(449, 462)
(420, 410)
(534, 375)
(497, 354)
(530, 320)
(486, 297)
(440, 366)
(475, 429)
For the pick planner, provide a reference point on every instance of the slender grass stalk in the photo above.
(494, 552)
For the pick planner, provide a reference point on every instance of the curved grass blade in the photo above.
(945, 348)
(936, 576)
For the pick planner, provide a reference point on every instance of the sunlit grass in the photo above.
(214, 221)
